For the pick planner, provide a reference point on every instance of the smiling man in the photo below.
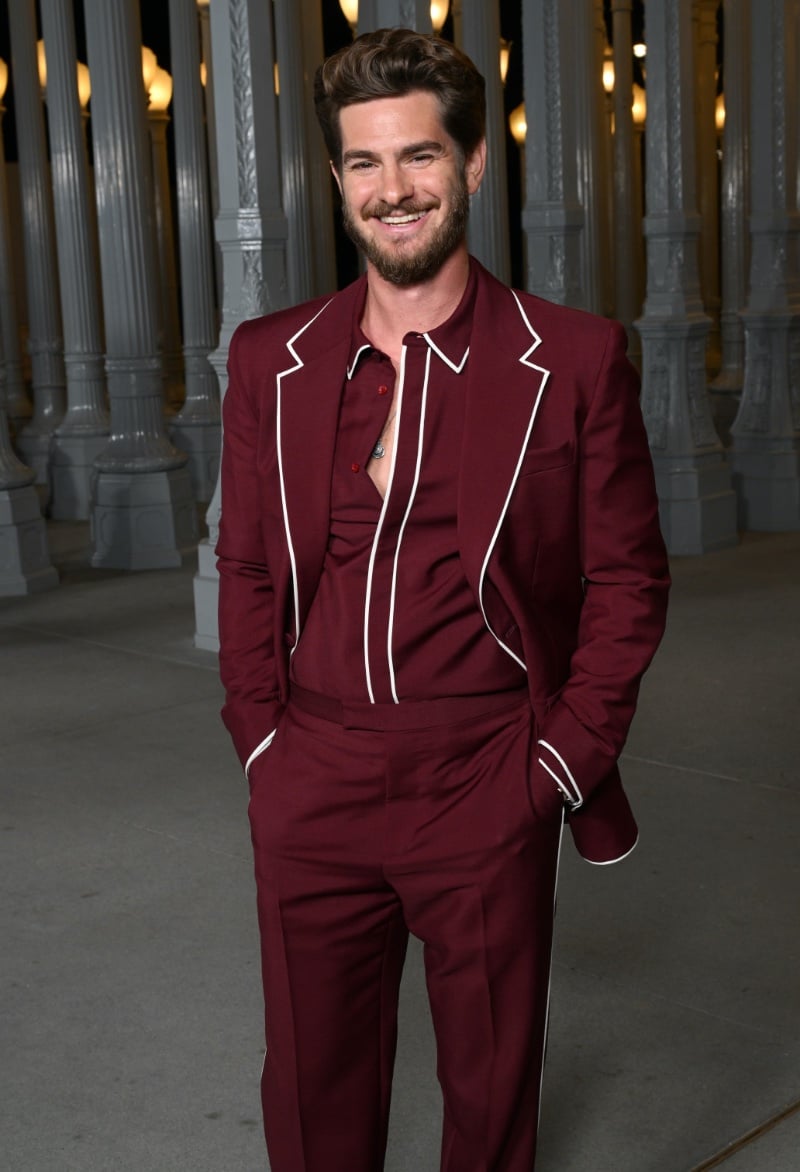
(441, 579)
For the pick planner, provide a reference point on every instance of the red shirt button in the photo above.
(355, 467)
(383, 390)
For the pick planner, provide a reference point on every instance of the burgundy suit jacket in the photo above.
(557, 522)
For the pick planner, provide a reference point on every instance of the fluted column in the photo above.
(488, 220)
(320, 179)
(294, 151)
(24, 557)
(698, 509)
(734, 202)
(766, 444)
(705, 19)
(628, 248)
(18, 405)
(603, 197)
(591, 135)
(38, 235)
(552, 219)
(196, 429)
(83, 432)
(251, 226)
(374, 14)
(169, 315)
(144, 511)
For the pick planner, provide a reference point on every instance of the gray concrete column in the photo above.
(294, 150)
(698, 507)
(83, 433)
(552, 218)
(38, 235)
(604, 174)
(488, 221)
(169, 334)
(628, 247)
(726, 388)
(766, 444)
(18, 406)
(196, 429)
(143, 507)
(374, 14)
(24, 556)
(319, 176)
(251, 226)
(705, 23)
(591, 136)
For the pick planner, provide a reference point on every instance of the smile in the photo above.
(410, 218)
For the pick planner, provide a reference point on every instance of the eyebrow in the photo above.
(414, 148)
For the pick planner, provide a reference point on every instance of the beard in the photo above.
(397, 262)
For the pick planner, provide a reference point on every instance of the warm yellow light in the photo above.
(149, 67)
(160, 90)
(350, 10)
(505, 57)
(518, 124)
(608, 73)
(3, 78)
(719, 113)
(439, 10)
(203, 73)
(640, 50)
(84, 85)
(639, 105)
(276, 79)
(41, 62)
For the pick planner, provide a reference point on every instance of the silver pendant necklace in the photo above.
(379, 451)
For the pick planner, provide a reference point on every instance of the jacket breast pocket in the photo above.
(547, 459)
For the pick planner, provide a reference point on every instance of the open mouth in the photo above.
(406, 218)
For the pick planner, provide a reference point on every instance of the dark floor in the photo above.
(130, 1037)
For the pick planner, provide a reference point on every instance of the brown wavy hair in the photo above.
(391, 63)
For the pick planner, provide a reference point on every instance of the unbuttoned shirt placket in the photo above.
(410, 403)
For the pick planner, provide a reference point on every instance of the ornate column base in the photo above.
(697, 504)
(142, 520)
(71, 474)
(206, 597)
(766, 476)
(697, 507)
(201, 442)
(24, 557)
(34, 447)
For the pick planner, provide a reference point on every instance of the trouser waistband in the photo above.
(408, 714)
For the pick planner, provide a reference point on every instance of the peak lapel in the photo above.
(505, 386)
(309, 392)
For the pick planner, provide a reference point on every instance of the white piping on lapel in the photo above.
(545, 376)
(299, 364)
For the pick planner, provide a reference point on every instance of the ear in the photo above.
(474, 167)
(336, 176)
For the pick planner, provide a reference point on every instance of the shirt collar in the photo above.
(450, 340)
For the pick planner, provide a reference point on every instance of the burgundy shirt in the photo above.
(394, 617)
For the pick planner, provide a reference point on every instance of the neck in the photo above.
(392, 311)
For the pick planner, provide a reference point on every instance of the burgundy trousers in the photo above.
(369, 822)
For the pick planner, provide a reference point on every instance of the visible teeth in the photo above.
(409, 219)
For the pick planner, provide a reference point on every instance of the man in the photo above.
(441, 578)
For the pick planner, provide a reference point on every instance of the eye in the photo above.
(421, 159)
(361, 165)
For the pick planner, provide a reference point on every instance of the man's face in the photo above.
(405, 189)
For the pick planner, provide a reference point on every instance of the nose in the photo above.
(396, 183)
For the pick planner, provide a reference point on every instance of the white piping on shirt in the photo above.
(412, 495)
(379, 527)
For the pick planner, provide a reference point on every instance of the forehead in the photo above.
(388, 123)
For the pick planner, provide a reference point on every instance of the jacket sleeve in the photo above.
(626, 583)
(246, 598)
